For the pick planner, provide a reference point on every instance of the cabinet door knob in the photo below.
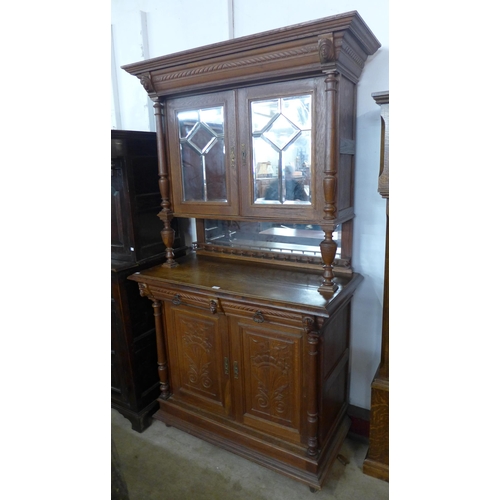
(213, 306)
(244, 154)
(226, 365)
(258, 317)
(176, 300)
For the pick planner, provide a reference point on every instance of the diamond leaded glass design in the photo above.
(281, 140)
(201, 137)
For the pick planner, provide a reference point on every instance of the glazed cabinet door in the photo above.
(201, 133)
(268, 374)
(283, 154)
(198, 356)
(121, 220)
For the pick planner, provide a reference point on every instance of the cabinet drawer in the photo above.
(262, 314)
(178, 297)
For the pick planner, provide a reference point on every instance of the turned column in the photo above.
(166, 215)
(312, 387)
(328, 246)
(160, 341)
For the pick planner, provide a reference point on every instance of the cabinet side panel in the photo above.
(347, 130)
(334, 372)
(346, 179)
(347, 109)
(334, 341)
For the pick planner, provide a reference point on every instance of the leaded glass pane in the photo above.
(282, 150)
(201, 134)
(262, 113)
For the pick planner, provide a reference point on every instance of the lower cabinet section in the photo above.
(266, 379)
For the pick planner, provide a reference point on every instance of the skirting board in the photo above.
(360, 422)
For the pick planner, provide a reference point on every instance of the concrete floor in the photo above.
(163, 463)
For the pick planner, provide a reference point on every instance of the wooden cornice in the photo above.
(381, 97)
(337, 43)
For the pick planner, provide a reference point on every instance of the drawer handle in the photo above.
(258, 317)
(176, 300)
(236, 370)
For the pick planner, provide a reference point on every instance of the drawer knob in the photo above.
(258, 317)
(176, 300)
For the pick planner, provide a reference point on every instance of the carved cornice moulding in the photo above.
(342, 42)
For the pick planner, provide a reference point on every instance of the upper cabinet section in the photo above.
(262, 125)
(262, 128)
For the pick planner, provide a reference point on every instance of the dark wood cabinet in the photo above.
(135, 196)
(136, 244)
(134, 372)
(256, 142)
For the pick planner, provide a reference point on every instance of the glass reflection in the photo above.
(281, 140)
(201, 137)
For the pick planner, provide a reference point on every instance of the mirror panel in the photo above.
(302, 239)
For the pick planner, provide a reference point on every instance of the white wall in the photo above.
(171, 27)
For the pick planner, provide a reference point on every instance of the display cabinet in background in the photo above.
(136, 244)
(256, 143)
(377, 459)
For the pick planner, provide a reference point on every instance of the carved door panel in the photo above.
(198, 358)
(267, 376)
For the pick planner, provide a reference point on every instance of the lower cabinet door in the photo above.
(268, 376)
(198, 358)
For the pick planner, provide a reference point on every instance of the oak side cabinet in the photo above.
(377, 459)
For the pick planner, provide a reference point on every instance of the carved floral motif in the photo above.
(198, 350)
(271, 363)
